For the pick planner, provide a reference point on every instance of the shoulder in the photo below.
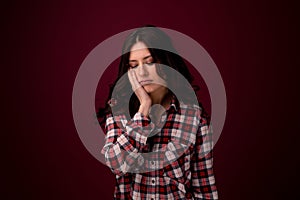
(187, 108)
(193, 110)
(117, 119)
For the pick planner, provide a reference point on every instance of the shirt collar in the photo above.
(174, 104)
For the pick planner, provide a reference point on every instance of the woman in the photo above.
(162, 148)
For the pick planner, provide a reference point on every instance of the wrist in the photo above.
(144, 109)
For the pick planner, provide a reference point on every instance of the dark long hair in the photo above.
(151, 37)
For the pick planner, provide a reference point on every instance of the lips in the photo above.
(145, 82)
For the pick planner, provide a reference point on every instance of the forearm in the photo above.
(145, 108)
(203, 179)
(123, 145)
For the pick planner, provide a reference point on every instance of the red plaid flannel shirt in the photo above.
(175, 163)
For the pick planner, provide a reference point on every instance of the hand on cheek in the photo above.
(140, 92)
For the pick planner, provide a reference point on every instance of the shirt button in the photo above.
(152, 162)
(140, 160)
(153, 181)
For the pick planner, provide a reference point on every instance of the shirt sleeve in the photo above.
(123, 144)
(203, 180)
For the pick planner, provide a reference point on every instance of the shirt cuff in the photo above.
(140, 127)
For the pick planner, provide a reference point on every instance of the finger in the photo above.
(133, 80)
(129, 73)
(138, 89)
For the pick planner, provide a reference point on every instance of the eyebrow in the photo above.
(143, 58)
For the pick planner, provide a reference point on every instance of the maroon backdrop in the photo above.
(252, 43)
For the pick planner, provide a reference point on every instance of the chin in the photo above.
(151, 88)
(148, 90)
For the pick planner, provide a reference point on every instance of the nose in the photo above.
(142, 70)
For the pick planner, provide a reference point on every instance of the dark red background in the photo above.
(252, 42)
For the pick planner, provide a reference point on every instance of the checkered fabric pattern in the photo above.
(170, 160)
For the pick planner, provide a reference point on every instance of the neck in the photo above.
(161, 97)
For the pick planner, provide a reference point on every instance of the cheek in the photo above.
(160, 72)
(157, 77)
(160, 81)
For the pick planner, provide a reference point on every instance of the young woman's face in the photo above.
(141, 61)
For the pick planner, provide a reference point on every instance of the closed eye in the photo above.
(147, 64)
(147, 61)
(132, 67)
(150, 63)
